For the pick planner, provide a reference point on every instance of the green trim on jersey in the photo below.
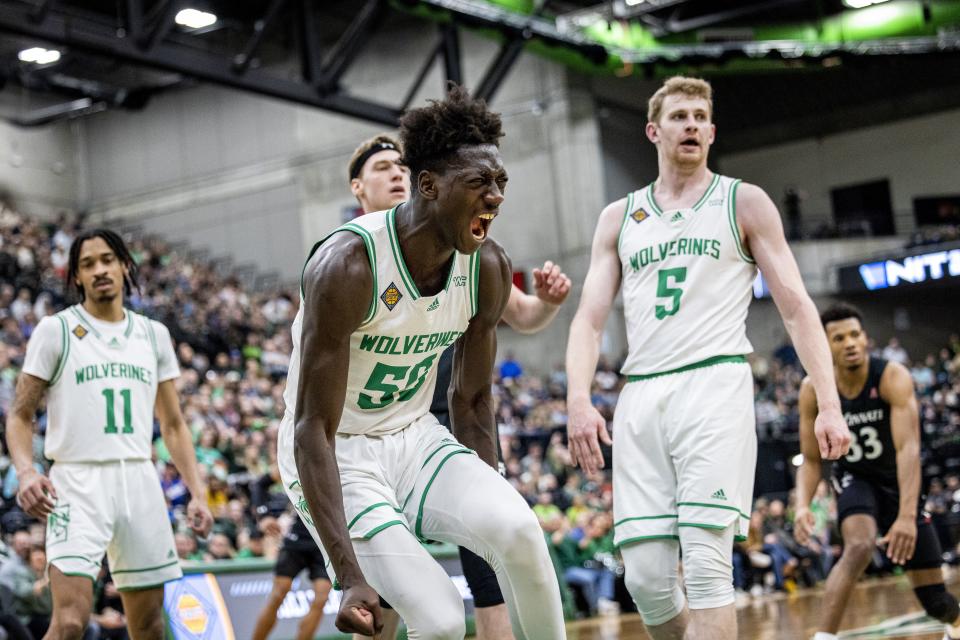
(474, 282)
(156, 568)
(130, 314)
(385, 525)
(153, 340)
(626, 217)
(85, 322)
(709, 362)
(371, 255)
(426, 489)
(398, 255)
(734, 229)
(664, 536)
(714, 506)
(706, 194)
(620, 522)
(64, 350)
(368, 510)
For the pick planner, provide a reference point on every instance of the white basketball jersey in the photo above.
(394, 352)
(687, 281)
(103, 388)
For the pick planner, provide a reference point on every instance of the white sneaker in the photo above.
(756, 591)
(608, 607)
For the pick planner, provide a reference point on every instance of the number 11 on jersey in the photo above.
(111, 415)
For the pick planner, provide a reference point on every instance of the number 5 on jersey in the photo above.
(666, 279)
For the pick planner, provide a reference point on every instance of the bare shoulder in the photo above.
(495, 280)
(896, 383)
(338, 275)
(751, 200)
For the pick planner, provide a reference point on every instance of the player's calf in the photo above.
(938, 603)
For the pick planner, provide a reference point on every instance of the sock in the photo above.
(953, 631)
(823, 635)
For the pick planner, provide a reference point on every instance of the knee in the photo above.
(708, 568)
(938, 603)
(658, 597)
(520, 534)
(858, 552)
(321, 593)
(446, 624)
(70, 622)
(147, 626)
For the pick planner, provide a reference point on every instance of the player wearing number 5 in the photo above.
(105, 370)
(685, 250)
(877, 482)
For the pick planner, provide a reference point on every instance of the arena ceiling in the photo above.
(810, 55)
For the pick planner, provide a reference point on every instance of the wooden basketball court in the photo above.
(883, 608)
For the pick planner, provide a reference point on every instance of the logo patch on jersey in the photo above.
(640, 215)
(434, 305)
(391, 296)
(58, 523)
(80, 332)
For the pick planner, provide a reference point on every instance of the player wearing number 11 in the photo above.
(685, 249)
(105, 371)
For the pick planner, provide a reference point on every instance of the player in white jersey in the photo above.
(371, 471)
(379, 181)
(105, 370)
(685, 251)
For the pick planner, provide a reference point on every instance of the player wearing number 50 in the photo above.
(685, 250)
(370, 470)
(105, 370)
(878, 482)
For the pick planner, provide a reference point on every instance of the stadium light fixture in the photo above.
(194, 18)
(860, 4)
(39, 55)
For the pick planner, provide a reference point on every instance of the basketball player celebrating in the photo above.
(379, 181)
(105, 370)
(878, 482)
(686, 250)
(370, 470)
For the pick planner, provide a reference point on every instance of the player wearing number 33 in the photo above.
(877, 482)
(105, 370)
(685, 250)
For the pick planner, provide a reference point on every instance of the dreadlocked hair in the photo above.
(119, 248)
(430, 135)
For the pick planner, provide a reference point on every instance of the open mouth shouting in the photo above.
(480, 225)
(690, 144)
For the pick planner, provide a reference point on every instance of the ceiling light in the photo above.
(860, 4)
(195, 19)
(39, 55)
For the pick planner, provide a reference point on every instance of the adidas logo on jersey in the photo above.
(719, 495)
(434, 305)
(676, 217)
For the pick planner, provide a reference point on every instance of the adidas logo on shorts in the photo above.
(719, 495)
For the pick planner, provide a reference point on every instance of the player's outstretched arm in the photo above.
(809, 473)
(896, 387)
(36, 494)
(337, 285)
(531, 313)
(584, 422)
(471, 403)
(760, 225)
(179, 441)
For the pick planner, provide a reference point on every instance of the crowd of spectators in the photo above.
(233, 347)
